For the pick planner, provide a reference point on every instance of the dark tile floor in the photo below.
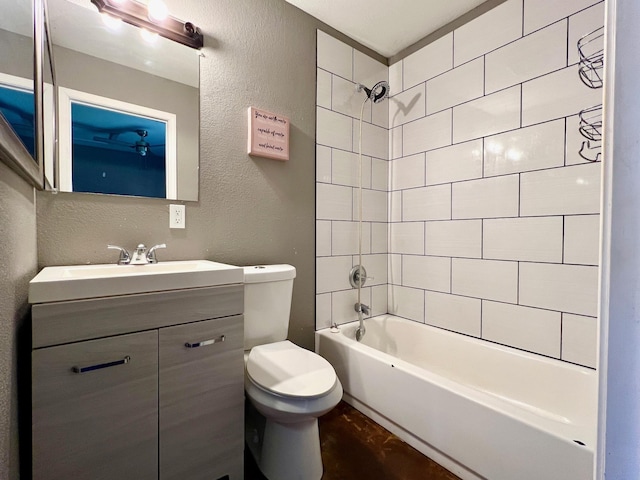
(356, 448)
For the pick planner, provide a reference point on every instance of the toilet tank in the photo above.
(267, 303)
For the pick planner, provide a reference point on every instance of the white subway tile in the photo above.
(427, 133)
(379, 297)
(456, 86)
(497, 27)
(526, 328)
(535, 239)
(485, 198)
(459, 314)
(430, 273)
(408, 172)
(395, 142)
(455, 163)
(406, 302)
(380, 114)
(376, 266)
(333, 129)
(429, 61)
(395, 206)
(323, 311)
(580, 339)
(334, 56)
(379, 237)
(487, 279)
(456, 238)
(539, 13)
(537, 54)
(333, 202)
(428, 203)
(346, 100)
(407, 106)
(581, 24)
(532, 148)
(368, 71)
(323, 89)
(323, 164)
(394, 269)
(395, 78)
(491, 114)
(344, 238)
(342, 304)
(379, 174)
(345, 169)
(407, 238)
(558, 94)
(567, 288)
(374, 205)
(375, 140)
(323, 238)
(582, 239)
(559, 191)
(332, 273)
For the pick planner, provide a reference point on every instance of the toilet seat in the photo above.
(288, 370)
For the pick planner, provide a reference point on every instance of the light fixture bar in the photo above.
(136, 14)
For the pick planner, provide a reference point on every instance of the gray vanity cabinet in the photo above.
(201, 399)
(88, 406)
(137, 387)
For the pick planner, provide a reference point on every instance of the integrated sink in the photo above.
(55, 284)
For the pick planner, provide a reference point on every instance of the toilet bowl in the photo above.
(287, 387)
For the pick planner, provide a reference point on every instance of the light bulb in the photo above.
(158, 11)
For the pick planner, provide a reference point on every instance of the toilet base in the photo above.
(284, 451)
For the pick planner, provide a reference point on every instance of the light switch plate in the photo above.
(176, 216)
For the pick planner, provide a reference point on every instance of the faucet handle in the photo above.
(124, 257)
(151, 254)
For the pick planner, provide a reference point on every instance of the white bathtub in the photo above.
(481, 410)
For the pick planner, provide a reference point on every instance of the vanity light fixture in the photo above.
(137, 14)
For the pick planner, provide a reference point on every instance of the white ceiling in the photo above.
(386, 26)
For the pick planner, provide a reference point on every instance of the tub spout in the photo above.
(362, 310)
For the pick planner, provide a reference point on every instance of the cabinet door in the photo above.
(201, 400)
(95, 412)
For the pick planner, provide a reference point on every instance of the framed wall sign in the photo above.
(268, 135)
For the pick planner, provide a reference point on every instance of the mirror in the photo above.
(21, 143)
(128, 108)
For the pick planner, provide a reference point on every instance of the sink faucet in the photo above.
(141, 256)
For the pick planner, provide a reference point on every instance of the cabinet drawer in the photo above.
(95, 410)
(64, 322)
(201, 400)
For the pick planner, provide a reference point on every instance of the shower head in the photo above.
(378, 93)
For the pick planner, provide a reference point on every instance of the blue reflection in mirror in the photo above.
(117, 153)
(16, 105)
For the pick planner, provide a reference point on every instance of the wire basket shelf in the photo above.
(591, 52)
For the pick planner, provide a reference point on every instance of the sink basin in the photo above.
(55, 284)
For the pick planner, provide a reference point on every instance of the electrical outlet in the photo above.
(176, 216)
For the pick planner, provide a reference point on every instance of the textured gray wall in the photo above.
(18, 264)
(251, 210)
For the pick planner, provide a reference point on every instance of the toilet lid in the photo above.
(286, 369)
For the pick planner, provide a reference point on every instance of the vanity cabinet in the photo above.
(145, 386)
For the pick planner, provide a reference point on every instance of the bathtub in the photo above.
(481, 410)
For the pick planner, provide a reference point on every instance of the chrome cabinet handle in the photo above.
(99, 366)
(219, 339)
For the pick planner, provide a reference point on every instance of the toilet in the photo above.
(287, 386)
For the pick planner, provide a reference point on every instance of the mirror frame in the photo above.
(12, 152)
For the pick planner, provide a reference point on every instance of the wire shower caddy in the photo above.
(590, 70)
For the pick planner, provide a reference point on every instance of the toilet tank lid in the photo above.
(268, 273)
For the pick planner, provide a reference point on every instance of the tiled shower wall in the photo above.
(340, 68)
(493, 215)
